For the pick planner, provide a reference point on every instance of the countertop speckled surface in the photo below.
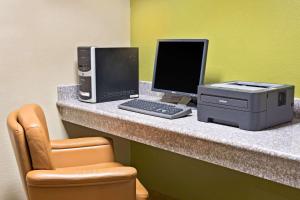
(272, 154)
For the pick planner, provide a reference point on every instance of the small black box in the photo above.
(107, 74)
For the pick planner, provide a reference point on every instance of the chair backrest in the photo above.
(19, 143)
(32, 119)
(30, 139)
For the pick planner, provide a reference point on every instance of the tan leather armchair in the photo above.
(70, 169)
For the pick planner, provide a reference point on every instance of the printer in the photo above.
(247, 105)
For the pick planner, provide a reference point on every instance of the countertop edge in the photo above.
(253, 161)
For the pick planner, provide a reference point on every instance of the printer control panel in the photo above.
(281, 98)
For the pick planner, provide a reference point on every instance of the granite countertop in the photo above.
(272, 154)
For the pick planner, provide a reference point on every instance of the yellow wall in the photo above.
(256, 40)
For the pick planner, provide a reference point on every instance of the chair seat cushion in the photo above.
(79, 142)
(90, 167)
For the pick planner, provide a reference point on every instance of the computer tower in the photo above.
(107, 74)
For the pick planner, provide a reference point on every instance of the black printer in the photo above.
(247, 105)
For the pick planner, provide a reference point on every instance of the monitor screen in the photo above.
(179, 66)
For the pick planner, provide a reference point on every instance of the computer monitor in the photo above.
(179, 66)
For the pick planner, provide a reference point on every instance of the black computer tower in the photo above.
(107, 74)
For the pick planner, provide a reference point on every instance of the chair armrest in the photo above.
(116, 183)
(81, 176)
(81, 151)
(79, 142)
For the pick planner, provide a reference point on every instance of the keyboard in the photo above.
(153, 108)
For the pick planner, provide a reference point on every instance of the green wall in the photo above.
(256, 40)
(189, 179)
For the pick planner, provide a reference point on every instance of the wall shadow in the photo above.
(185, 178)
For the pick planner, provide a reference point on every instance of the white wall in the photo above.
(38, 40)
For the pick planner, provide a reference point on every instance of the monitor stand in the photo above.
(181, 100)
(184, 100)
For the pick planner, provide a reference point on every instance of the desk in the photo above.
(272, 154)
